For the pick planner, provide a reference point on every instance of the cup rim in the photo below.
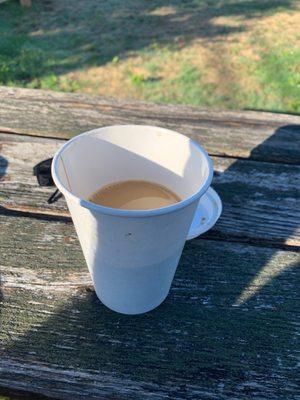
(131, 213)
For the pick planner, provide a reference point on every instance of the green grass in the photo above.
(189, 87)
(54, 44)
(279, 75)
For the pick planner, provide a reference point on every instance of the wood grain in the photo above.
(25, 3)
(247, 134)
(229, 327)
(227, 330)
(260, 199)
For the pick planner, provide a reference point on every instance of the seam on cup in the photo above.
(67, 176)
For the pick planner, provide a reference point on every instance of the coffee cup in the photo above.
(132, 255)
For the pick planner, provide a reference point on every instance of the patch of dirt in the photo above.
(282, 28)
(161, 11)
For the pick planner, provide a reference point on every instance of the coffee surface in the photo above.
(134, 195)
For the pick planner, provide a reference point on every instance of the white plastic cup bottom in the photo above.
(132, 255)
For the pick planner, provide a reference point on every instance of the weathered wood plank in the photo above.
(261, 200)
(258, 135)
(227, 330)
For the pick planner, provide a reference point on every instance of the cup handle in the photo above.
(206, 215)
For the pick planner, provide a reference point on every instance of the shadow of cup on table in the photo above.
(228, 325)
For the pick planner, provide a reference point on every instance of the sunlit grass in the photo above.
(233, 54)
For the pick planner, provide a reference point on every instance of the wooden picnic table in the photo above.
(229, 327)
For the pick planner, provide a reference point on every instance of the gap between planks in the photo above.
(8, 131)
(41, 136)
(64, 217)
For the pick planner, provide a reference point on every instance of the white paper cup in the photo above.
(132, 255)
